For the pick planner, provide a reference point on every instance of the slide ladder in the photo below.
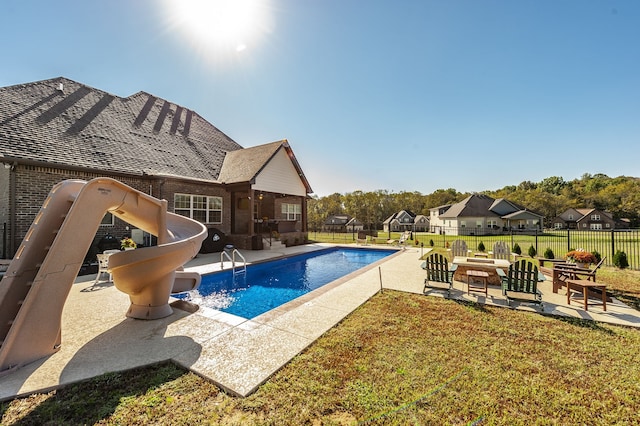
(39, 278)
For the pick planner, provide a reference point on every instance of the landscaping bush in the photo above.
(481, 246)
(532, 251)
(620, 259)
(548, 253)
(517, 249)
(597, 255)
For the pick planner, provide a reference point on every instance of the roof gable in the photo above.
(503, 207)
(266, 167)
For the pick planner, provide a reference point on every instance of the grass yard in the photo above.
(554, 240)
(399, 359)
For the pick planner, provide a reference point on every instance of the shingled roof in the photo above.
(474, 205)
(65, 123)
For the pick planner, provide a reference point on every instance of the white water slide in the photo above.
(35, 287)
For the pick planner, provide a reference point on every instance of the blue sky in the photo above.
(409, 95)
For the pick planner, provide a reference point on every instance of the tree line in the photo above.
(549, 197)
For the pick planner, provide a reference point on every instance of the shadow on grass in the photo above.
(584, 323)
(92, 400)
(475, 306)
(626, 298)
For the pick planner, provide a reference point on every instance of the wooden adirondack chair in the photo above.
(501, 251)
(520, 283)
(439, 274)
(459, 248)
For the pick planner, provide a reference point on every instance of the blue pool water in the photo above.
(267, 285)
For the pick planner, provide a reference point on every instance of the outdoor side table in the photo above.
(477, 281)
(584, 286)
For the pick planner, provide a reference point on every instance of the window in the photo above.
(596, 226)
(608, 225)
(557, 225)
(202, 208)
(463, 224)
(595, 217)
(479, 224)
(107, 220)
(570, 217)
(291, 211)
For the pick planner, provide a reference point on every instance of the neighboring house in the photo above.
(342, 223)
(421, 223)
(480, 214)
(405, 220)
(59, 129)
(586, 219)
(399, 222)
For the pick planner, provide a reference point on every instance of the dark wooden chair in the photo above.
(520, 283)
(569, 271)
(439, 274)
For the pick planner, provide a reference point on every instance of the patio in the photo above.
(238, 354)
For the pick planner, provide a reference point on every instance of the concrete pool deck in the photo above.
(235, 353)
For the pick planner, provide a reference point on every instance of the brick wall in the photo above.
(34, 184)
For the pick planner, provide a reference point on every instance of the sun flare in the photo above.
(226, 25)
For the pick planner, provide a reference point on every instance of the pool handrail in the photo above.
(232, 259)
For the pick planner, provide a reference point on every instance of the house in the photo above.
(342, 223)
(480, 214)
(59, 129)
(399, 222)
(405, 220)
(421, 223)
(586, 219)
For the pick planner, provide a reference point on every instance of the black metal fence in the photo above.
(607, 243)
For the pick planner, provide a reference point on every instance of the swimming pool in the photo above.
(268, 285)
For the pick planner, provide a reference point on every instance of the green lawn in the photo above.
(399, 359)
(600, 241)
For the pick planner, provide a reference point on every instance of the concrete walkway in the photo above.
(235, 353)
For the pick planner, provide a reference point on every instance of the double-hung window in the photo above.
(291, 211)
(202, 208)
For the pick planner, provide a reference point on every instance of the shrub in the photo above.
(597, 255)
(481, 246)
(517, 249)
(431, 243)
(548, 253)
(620, 259)
(532, 251)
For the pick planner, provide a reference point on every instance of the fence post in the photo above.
(537, 250)
(568, 240)
(613, 244)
